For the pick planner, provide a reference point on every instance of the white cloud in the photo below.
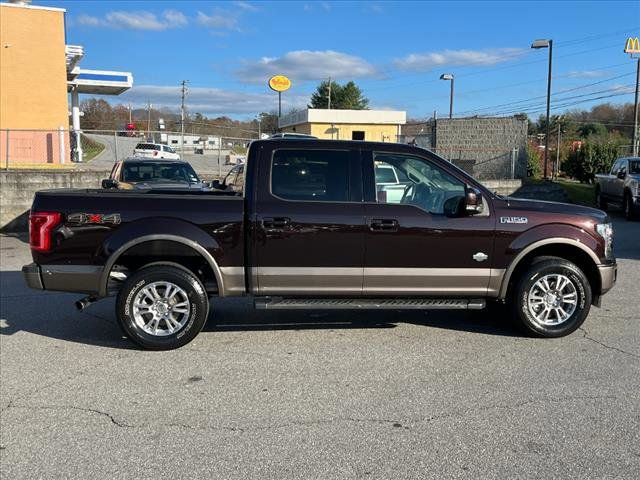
(176, 18)
(217, 21)
(429, 60)
(246, 6)
(303, 65)
(136, 20)
(310, 7)
(88, 21)
(211, 101)
(586, 74)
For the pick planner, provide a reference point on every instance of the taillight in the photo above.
(41, 224)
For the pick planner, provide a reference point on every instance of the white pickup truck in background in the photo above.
(620, 187)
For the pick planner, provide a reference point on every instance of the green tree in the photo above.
(343, 97)
(596, 155)
(97, 115)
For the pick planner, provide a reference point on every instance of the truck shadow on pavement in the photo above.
(53, 315)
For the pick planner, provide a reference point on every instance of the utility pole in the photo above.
(329, 100)
(184, 94)
(129, 113)
(557, 165)
(148, 121)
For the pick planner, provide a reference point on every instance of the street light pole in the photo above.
(546, 44)
(450, 77)
(635, 113)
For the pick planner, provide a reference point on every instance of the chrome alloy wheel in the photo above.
(552, 299)
(161, 308)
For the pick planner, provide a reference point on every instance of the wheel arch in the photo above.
(194, 246)
(566, 248)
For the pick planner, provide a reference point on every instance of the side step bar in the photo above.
(276, 303)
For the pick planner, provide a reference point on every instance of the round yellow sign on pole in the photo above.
(279, 83)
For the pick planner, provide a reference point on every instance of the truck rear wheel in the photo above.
(162, 307)
(552, 298)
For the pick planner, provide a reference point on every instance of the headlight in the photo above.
(605, 230)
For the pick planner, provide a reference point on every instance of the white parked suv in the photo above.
(155, 150)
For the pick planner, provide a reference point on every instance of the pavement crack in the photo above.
(585, 335)
(73, 407)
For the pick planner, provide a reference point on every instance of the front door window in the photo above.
(419, 183)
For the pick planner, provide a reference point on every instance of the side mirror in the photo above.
(473, 201)
(622, 175)
(109, 183)
(216, 184)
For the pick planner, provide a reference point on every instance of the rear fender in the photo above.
(151, 229)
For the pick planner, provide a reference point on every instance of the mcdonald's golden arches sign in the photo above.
(632, 45)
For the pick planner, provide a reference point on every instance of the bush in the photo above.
(534, 162)
(596, 155)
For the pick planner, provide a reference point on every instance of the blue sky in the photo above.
(394, 50)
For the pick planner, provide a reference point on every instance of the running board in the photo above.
(274, 303)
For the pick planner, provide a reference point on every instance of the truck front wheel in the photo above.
(552, 298)
(162, 307)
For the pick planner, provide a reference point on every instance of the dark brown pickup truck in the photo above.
(322, 224)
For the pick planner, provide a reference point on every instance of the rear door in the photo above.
(415, 245)
(309, 222)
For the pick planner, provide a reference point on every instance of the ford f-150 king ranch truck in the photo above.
(621, 186)
(312, 229)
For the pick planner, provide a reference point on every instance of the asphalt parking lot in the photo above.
(206, 165)
(318, 395)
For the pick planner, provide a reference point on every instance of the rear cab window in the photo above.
(311, 175)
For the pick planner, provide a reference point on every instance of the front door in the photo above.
(309, 223)
(420, 242)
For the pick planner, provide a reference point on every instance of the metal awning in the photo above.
(99, 82)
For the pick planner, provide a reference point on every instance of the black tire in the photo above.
(537, 271)
(194, 319)
(601, 203)
(627, 206)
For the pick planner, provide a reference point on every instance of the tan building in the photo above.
(37, 71)
(33, 83)
(370, 125)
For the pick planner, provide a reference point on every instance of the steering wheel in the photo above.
(404, 193)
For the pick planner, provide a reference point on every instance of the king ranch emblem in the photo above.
(514, 220)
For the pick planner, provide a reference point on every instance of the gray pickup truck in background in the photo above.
(621, 187)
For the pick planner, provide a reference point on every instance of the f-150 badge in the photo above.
(514, 220)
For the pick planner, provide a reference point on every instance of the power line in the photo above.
(516, 102)
(533, 109)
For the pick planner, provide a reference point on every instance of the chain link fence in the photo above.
(35, 148)
(210, 155)
(481, 163)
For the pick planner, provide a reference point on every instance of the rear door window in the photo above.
(310, 175)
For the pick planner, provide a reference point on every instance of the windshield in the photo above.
(158, 172)
(634, 166)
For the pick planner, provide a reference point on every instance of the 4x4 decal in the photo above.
(94, 218)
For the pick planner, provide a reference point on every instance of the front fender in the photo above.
(552, 234)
